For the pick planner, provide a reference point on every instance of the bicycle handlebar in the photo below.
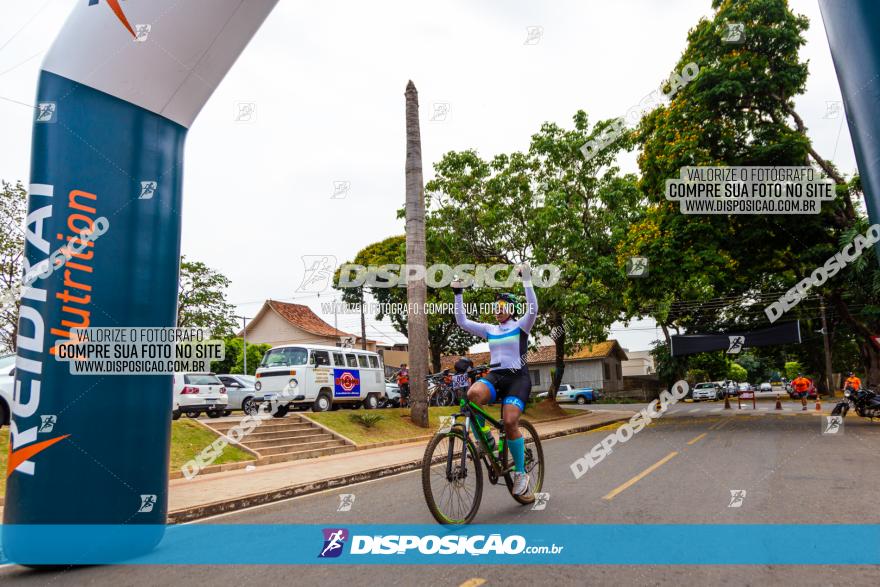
(475, 369)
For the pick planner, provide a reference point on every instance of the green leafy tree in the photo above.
(201, 299)
(444, 335)
(739, 110)
(548, 205)
(715, 364)
(792, 368)
(737, 372)
(233, 358)
(13, 209)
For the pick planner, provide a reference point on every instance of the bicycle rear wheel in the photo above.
(534, 463)
(452, 493)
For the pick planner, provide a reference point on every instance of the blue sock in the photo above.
(518, 452)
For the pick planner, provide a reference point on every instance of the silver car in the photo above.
(240, 391)
(7, 380)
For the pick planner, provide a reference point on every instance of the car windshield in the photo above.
(7, 361)
(201, 379)
(284, 357)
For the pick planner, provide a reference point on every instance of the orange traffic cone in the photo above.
(778, 403)
(818, 404)
(804, 403)
(726, 402)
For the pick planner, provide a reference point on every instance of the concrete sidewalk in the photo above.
(208, 495)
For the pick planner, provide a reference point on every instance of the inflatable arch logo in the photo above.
(120, 14)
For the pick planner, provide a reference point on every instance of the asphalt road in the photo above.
(790, 471)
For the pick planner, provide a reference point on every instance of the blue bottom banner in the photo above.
(607, 544)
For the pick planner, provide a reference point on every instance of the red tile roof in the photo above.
(304, 318)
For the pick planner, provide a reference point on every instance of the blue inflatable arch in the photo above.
(118, 90)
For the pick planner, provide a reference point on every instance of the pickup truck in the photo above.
(580, 395)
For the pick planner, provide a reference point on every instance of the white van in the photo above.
(302, 376)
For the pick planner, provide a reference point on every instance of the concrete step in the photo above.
(300, 447)
(273, 425)
(258, 435)
(306, 454)
(261, 445)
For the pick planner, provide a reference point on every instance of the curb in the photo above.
(230, 505)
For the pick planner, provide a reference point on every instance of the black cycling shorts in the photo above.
(511, 387)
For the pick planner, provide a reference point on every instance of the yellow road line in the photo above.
(697, 439)
(640, 476)
(475, 582)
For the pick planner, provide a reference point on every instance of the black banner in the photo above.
(733, 342)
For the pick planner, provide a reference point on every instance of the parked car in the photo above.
(240, 392)
(766, 387)
(392, 396)
(707, 391)
(745, 387)
(580, 395)
(195, 393)
(320, 377)
(7, 381)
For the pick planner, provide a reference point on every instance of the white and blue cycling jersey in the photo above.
(508, 342)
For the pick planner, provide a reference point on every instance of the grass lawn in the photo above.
(396, 424)
(187, 440)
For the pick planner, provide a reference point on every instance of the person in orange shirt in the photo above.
(801, 387)
(852, 382)
(403, 384)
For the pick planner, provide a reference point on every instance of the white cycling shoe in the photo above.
(520, 483)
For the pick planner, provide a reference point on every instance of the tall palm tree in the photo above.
(416, 291)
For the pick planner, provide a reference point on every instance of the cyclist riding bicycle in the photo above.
(508, 379)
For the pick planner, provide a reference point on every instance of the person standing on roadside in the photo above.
(403, 384)
(801, 386)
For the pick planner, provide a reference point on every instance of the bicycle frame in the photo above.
(468, 410)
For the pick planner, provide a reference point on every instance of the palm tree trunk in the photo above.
(416, 291)
(363, 323)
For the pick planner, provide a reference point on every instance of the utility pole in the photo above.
(825, 338)
(244, 320)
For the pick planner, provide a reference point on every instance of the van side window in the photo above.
(374, 362)
(352, 362)
(362, 360)
(319, 358)
(339, 359)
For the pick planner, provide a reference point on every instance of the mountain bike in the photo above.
(452, 469)
(439, 391)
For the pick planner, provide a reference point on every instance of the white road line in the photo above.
(717, 409)
(695, 410)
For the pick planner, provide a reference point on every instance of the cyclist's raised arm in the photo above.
(475, 328)
(531, 313)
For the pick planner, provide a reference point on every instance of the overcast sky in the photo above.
(327, 80)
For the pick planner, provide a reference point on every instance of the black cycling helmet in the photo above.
(462, 365)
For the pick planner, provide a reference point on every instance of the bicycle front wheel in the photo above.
(453, 488)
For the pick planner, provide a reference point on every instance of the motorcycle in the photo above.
(865, 402)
